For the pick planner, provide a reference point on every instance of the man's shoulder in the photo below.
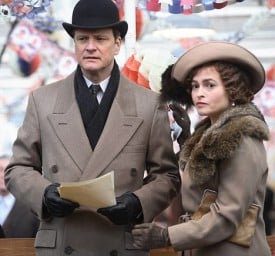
(54, 85)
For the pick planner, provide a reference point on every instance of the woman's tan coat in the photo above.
(228, 157)
(52, 142)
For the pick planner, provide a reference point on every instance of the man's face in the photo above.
(3, 163)
(95, 51)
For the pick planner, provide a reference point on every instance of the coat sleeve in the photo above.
(23, 175)
(241, 178)
(162, 182)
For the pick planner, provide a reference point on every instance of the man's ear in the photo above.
(118, 42)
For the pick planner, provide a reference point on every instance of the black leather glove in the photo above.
(128, 210)
(181, 117)
(57, 206)
(150, 236)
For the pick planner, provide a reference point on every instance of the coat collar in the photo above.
(209, 144)
(119, 128)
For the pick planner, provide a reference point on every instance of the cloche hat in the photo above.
(173, 79)
(95, 14)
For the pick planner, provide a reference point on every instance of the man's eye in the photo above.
(81, 38)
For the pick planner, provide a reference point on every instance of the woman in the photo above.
(223, 162)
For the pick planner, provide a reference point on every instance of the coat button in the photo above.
(113, 253)
(54, 169)
(68, 250)
(133, 172)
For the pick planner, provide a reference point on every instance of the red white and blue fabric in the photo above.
(23, 8)
(188, 6)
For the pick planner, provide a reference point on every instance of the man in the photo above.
(16, 219)
(66, 137)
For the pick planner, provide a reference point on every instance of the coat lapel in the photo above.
(67, 123)
(121, 124)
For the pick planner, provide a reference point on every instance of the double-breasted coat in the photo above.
(229, 158)
(52, 146)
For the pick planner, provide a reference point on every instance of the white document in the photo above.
(95, 193)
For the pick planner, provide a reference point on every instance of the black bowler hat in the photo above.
(95, 14)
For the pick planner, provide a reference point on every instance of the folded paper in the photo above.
(95, 193)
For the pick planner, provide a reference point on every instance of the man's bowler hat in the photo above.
(95, 14)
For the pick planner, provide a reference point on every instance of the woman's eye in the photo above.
(210, 85)
(194, 86)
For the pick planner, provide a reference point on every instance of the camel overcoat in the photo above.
(21, 222)
(52, 146)
(229, 158)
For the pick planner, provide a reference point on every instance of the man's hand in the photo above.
(128, 210)
(149, 236)
(181, 117)
(56, 206)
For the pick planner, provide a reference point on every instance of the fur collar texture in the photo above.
(209, 144)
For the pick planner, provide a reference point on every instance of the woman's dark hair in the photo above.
(236, 81)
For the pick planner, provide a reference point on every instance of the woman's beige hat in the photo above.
(220, 51)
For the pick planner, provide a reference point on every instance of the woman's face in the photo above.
(208, 93)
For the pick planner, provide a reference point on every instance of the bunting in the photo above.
(187, 6)
(30, 8)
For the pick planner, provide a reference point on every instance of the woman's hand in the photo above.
(150, 236)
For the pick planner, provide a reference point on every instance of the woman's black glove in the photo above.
(55, 205)
(127, 210)
(181, 117)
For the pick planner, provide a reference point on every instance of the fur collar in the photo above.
(209, 144)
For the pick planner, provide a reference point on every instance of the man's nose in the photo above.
(91, 44)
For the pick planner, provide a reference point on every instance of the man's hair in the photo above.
(116, 33)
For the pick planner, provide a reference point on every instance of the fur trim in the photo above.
(209, 144)
(172, 90)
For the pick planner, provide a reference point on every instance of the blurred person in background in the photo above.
(268, 207)
(2, 235)
(16, 219)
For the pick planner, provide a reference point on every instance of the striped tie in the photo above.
(94, 89)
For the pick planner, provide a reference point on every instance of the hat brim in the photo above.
(220, 51)
(121, 26)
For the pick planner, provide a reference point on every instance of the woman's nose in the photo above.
(200, 91)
